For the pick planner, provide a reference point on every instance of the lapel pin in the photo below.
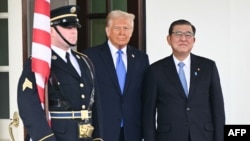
(133, 56)
(195, 73)
(54, 57)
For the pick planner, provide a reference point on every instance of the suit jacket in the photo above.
(114, 104)
(201, 114)
(76, 91)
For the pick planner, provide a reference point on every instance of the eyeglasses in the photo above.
(179, 34)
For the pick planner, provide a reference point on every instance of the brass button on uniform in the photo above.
(83, 96)
(83, 106)
(81, 85)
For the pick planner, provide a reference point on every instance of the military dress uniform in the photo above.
(72, 100)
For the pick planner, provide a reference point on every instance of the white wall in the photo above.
(223, 31)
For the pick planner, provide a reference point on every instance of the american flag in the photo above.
(41, 47)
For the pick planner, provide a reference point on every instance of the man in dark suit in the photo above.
(72, 98)
(121, 107)
(192, 111)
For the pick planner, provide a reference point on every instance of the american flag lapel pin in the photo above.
(196, 72)
(133, 56)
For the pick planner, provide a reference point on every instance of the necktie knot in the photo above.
(181, 64)
(119, 52)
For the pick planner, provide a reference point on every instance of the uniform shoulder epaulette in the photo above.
(79, 53)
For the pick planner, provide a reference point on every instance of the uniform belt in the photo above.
(83, 114)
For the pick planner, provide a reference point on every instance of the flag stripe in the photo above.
(43, 7)
(41, 22)
(40, 80)
(45, 42)
(41, 52)
(40, 67)
(40, 88)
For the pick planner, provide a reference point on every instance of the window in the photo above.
(4, 61)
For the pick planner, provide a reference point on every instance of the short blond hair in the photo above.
(117, 14)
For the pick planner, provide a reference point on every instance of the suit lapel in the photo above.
(73, 70)
(110, 67)
(194, 75)
(172, 75)
(131, 56)
(58, 62)
(79, 61)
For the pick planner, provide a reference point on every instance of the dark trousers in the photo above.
(121, 138)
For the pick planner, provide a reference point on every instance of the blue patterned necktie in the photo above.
(182, 77)
(120, 70)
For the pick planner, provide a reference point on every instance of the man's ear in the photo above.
(107, 29)
(168, 38)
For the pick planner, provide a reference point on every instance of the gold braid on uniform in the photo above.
(98, 139)
(79, 53)
(44, 138)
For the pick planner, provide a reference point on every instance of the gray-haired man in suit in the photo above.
(188, 111)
